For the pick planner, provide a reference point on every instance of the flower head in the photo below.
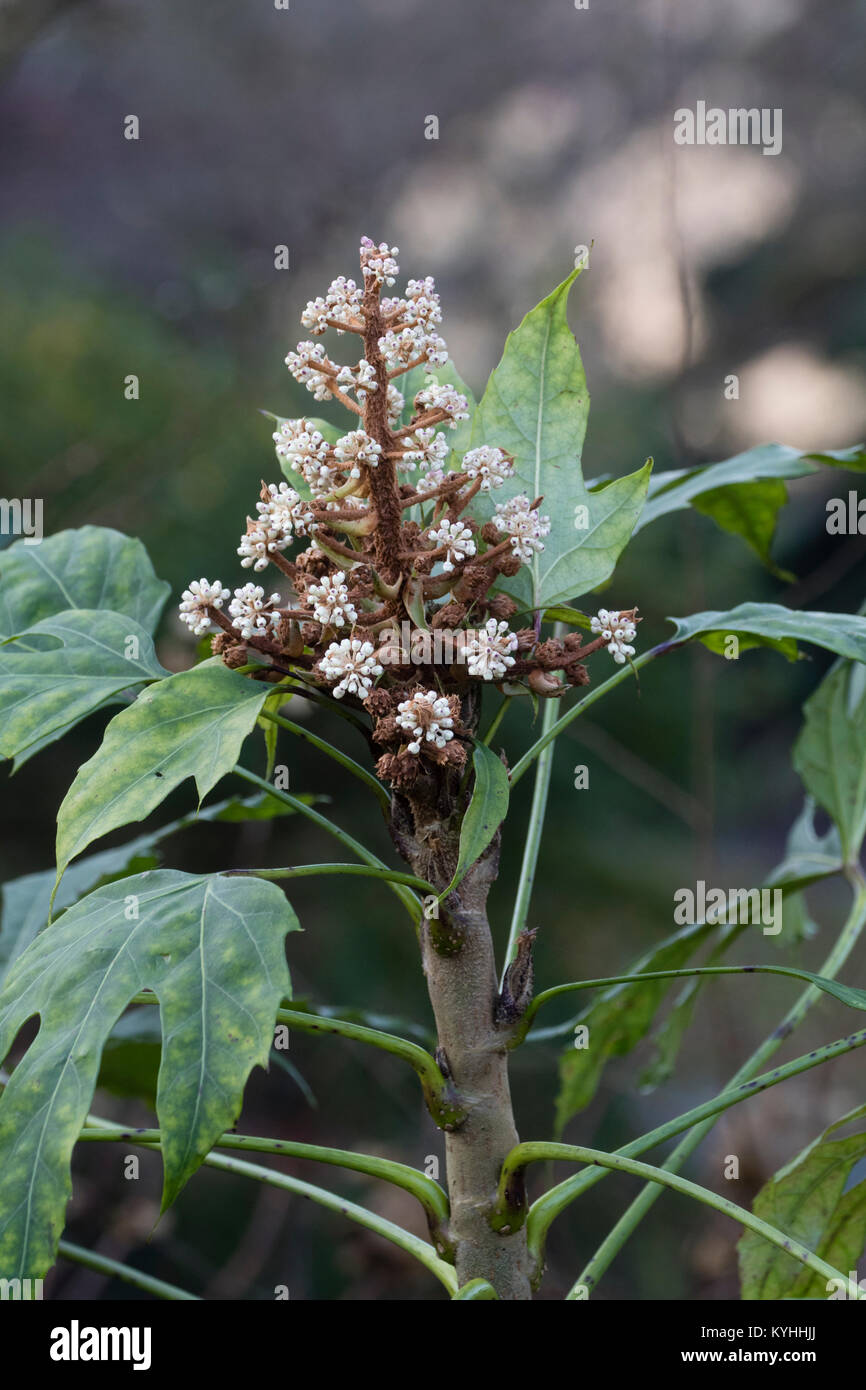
(195, 601)
(352, 664)
(456, 537)
(330, 599)
(251, 613)
(489, 649)
(491, 465)
(354, 449)
(523, 524)
(617, 629)
(428, 718)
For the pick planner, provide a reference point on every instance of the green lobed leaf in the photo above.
(771, 625)
(189, 725)
(618, 1019)
(44, 690)
(92, 567)
(830, 752)
(536, 406)
(485, 813)
(212, 949)
(807, 1200)
(673, 491)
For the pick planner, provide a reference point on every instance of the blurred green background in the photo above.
(155, 257)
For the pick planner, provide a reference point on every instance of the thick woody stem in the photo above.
(459, 965)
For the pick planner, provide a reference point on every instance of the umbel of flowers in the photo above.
(385, 535)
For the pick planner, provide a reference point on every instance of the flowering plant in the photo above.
(428, 560)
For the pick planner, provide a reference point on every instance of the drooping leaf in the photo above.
(189, 725)
(92, 567)
(618, 1019)
(830, 752)
(65, 667)
(807, 1200)
(212, 950)
(485, 813)
(749, 510)
(771, 625)
(808, 855)
(536, 406)
(675, 490)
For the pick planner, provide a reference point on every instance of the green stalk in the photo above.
(342, 758)
(475, 1291)
(413, 1245)
(424, 1189)
(635, 1213)
(553, 1202)
(595, 694)
(664, 1178)
(684, 974)
(442, 1100)
(103, 1264)
(532, 844)
(358, 870)
(406, 896)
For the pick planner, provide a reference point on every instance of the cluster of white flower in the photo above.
(488, 650)
(457, 539)
(424, 446)
(523, 524)
(491, 465)
(422, 303)
(396, 402)
(331, 605)
(284, 514)
(195, 601)
(404, 347)
(428, 481)
(428, 718)
(305, 366)
(306, 452)
(251, 613)
(617, 631)
(354, 449)
(257, 545)
(341, 305)
(443, 397)
(363, 380)
(378, 262)
(352, 664)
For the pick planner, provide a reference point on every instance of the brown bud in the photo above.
(220, 642)
(235, 656)
(501, 606)
(509, 565)
(491, 533)
(526, 639)
(543, 683)
(311, 633)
